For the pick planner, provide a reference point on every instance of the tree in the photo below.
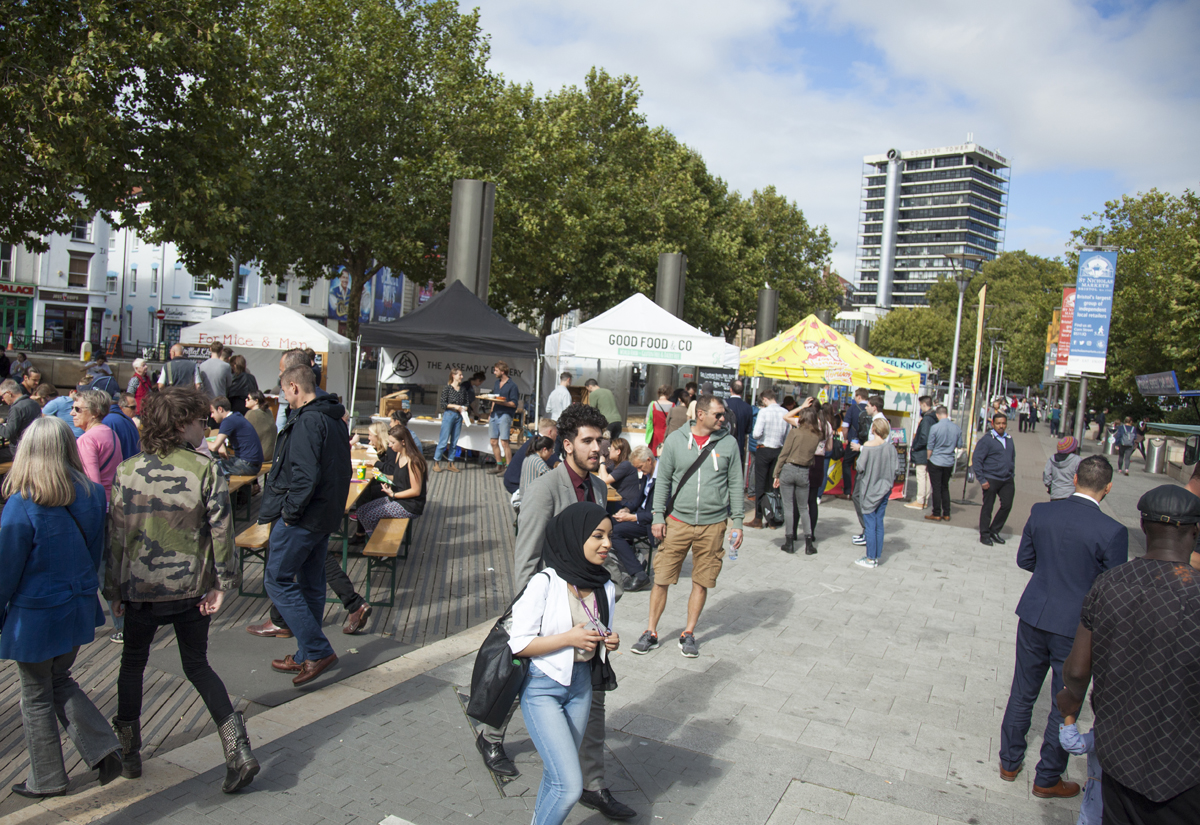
(108, 104)
(1156, 298)
(365, 114)
(916, 332)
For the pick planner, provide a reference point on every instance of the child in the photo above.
(1080, 743)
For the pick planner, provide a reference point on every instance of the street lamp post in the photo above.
(962, 277)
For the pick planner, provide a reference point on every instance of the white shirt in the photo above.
(544, 610)
(1085, 495)
(558, 401)
(770, 429)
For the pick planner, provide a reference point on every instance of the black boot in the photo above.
(129, 734)
(810, 549)
(789, 544)
(240, 765)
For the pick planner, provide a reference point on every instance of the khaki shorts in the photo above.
(707, 543)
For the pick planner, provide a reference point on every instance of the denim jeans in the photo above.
(296, 584)
(238, 467)
(500, 426)
(1038, 651)
(556, 717)
(873, 529)
(48, 696)
(191, 633)
(448, 437)
(337, 581)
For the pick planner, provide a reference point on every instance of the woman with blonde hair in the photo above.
(877, 466)
(404, 496)
(51, 544)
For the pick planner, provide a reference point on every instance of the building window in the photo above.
(281, 293)
(82, 230)
(242, 288)
(112, 239)
(154, 281)
(201, 286)
(133, 243)
(305, 296)
(6, 262)
(133, 280)
(110, 284)
(78, 275)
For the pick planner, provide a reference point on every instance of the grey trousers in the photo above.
(591, 752)
(49, 696)
(793, 486)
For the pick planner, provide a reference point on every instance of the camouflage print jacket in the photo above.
(171, 529)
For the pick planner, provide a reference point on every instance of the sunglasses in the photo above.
(77, 409)
(717, 415)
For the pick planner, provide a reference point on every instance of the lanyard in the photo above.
(592, 617)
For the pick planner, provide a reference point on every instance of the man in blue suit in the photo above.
(1066, 544)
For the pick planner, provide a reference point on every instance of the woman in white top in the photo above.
(563, 622)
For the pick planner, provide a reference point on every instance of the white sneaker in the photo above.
(860, 539)
(864, 562)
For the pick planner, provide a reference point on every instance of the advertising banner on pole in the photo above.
(1093, 311)
(1065, 322)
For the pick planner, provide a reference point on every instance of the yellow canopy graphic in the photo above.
(812, 353)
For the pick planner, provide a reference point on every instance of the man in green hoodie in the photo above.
(690, 514)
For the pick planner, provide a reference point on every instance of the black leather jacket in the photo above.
(310, 474)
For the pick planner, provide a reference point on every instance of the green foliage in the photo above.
(916, 332)
(109, 104)
(1156, 300)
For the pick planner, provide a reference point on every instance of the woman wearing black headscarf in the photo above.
(563, 622)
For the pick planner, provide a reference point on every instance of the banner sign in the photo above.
(1093, 311)
(1066, 321)
(388, 291)
(1158, 383)
(433, 368)
(649, 347)
(719, 377)
(911, 364)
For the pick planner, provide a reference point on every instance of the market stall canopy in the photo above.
(813, 353)
(261, 334)
(453, 329)
(640, 331)
(454, 320)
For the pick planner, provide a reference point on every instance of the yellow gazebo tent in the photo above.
(812, 353)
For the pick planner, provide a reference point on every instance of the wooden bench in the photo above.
(238, 482)
(252, 542)
(390, 541)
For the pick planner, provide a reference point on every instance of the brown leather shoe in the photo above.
(311, 670)
(1010, 776)
(945, 518)
(933, 518)
(454, 468)
(1060, 790)
(287, 664)
(268, 629)
(355, 620)
(438, 468)
(756, 524)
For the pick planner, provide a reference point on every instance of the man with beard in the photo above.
(581, 428)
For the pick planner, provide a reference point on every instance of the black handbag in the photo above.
(773, 508)
(497, 676)
(838, 451)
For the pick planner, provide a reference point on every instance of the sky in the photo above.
(1088, 101)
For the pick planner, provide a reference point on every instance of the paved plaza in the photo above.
(823, 693)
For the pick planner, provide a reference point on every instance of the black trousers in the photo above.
(1002, 490)
(939, 486)
(816, 487)
(622, 533)
(1123, 806)
(764, 475)
(191, 632)
(338, 582)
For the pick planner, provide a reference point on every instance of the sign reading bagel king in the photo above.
(650, 347)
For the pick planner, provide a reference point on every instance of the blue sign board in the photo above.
(1158, 383)
(1093, 311)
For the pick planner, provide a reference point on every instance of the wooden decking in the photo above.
(458, 575)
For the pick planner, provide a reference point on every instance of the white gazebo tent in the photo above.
(639, 331)
(263, 333)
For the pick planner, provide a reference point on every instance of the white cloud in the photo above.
(1051, 84)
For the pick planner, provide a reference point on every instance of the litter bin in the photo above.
(1156, 455)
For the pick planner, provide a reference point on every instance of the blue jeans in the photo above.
(448, 437)
(873, 530)
(238, 467)
(556, 717)
(296, 584)
(1038, 651)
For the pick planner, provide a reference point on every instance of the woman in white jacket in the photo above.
(563, 622)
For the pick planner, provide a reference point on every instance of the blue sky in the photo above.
(1089, 101)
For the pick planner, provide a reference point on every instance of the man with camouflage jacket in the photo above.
(171, 561)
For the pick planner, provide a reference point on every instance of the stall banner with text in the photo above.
(649, 347)
(1093, 310)
(1065, 322)
(406, 366)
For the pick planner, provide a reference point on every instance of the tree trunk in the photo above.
(361, 272)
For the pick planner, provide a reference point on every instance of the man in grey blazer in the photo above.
(581, 427)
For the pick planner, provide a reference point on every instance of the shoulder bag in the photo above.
(691, 471)
(497, 676)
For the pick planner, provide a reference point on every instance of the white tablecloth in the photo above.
(472, 437)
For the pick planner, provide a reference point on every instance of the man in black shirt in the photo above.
(1139, 637)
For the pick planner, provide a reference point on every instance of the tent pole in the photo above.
(537, 390)
(378, 376)
(354, 387)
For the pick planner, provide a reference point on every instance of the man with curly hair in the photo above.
(574, 480)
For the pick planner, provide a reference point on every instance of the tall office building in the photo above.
(919, 206)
